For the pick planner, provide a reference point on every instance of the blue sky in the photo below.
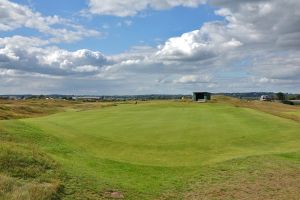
(149, 46)
(150, 27)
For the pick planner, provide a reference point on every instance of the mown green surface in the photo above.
(147, 149)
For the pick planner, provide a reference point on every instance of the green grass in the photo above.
(25, 171)
(294, 112)
(150, 149)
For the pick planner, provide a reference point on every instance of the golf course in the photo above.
(225, 149)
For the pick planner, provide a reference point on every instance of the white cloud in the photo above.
(255, 48)
(19, 53)
(14, 16)
(21, 41)
(210, 41)
(261, 38)
(192, 79)
(123, 8)
(284, 66)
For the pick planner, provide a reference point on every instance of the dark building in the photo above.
(201, 96)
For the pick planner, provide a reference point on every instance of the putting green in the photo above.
(172, 134)
(151, 148)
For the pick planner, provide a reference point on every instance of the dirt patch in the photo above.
(112, 194)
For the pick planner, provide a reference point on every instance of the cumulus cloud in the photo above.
(21, 53)
(273, 39)
(261, 37)
(210, 41)
(123, 8)
(14, 16)
(255, 48)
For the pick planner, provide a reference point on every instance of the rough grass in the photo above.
(12, 109)
(18, 109)
(274, 108)
(25, 172)
(14, 189)
(28, 173)
(158, 150)
(264, 177)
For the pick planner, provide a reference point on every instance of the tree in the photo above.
(280, 96)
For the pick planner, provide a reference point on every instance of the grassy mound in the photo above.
(26, 172)
(151, 150)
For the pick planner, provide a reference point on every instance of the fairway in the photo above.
(172, 134)
(147, 149)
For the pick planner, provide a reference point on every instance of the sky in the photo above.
(110, 47)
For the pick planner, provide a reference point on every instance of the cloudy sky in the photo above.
(149, 46)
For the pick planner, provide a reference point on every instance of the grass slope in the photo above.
(25, 171)
(157, 149)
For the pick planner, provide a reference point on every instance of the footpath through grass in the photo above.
(160, 149)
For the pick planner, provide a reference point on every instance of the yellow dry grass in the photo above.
(14, 189)
(273, 108)
(17, 109)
